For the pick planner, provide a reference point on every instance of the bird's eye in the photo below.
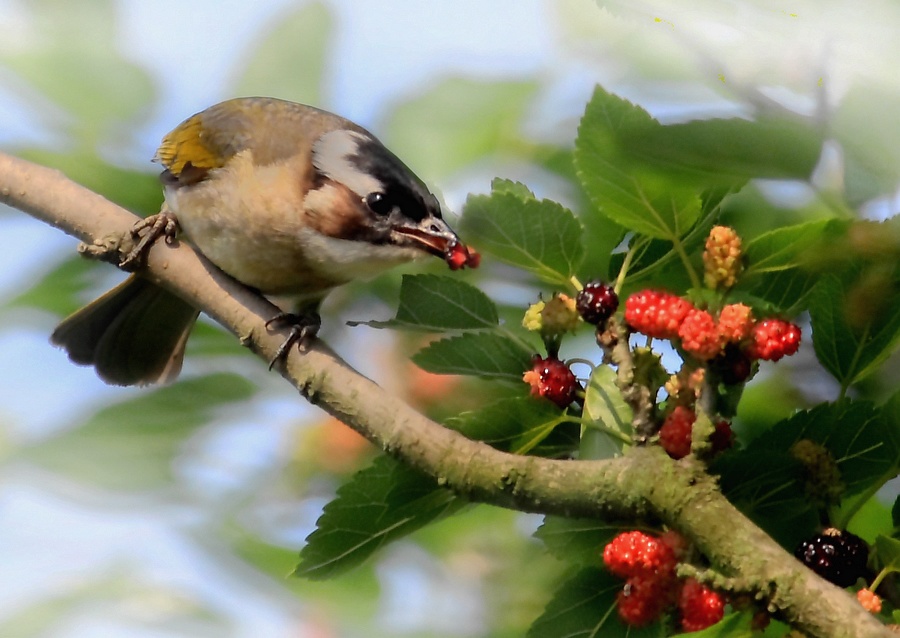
(379, 204)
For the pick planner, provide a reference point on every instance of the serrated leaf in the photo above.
(851, 351)
(585, 607)
(604, 404)
(383, 502)
(624, 189)
(578, 540)
(483, 354)
(862, 439)
(271, 69)
(131, 445)
(388, 500)
(500, 185)
(435, 303)
(777, 264)
(540, 236)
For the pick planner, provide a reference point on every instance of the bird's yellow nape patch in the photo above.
(184, 146)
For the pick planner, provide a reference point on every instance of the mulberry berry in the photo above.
(596, 302)
(675, 433)
(699, 336)
(700, 606)
(837, 556)
(552, 379)
(656, 314)
(773, 339)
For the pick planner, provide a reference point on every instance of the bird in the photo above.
(288, 199)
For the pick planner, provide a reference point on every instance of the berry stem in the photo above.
(577, 285)
(879, 578)
(586, 362)
(614, 341)
(626, 266)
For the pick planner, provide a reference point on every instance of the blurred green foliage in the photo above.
(635, 184)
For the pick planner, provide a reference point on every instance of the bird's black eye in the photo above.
(379, 204)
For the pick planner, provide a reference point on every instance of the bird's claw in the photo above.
(150, 229)
(304, 328)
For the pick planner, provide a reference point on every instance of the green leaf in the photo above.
(604, 404)
(579, 540)
(767, 485)
(435, 303)
(458, 121)
(302, 37)
(784, 248)
(625, 189)
(516, 424)
(389, 500)
(729, 150)
(863, 440)
(887, 550)
(778, 263)
(585, 607)
(130, 446)
(383, 502)
(851, 351)
(540, 236)
(500, 185)
(484, 354)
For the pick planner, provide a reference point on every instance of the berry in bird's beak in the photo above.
(459, 256)
(436, 237)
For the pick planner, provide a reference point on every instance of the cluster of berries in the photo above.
(652, 586)
(666, 316)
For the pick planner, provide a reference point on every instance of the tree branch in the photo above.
(644, 483)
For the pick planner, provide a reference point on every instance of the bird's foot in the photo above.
(304, 328)
(147, 231)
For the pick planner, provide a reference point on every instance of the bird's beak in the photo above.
(434, 236)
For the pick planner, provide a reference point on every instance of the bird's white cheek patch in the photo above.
(330, 155)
